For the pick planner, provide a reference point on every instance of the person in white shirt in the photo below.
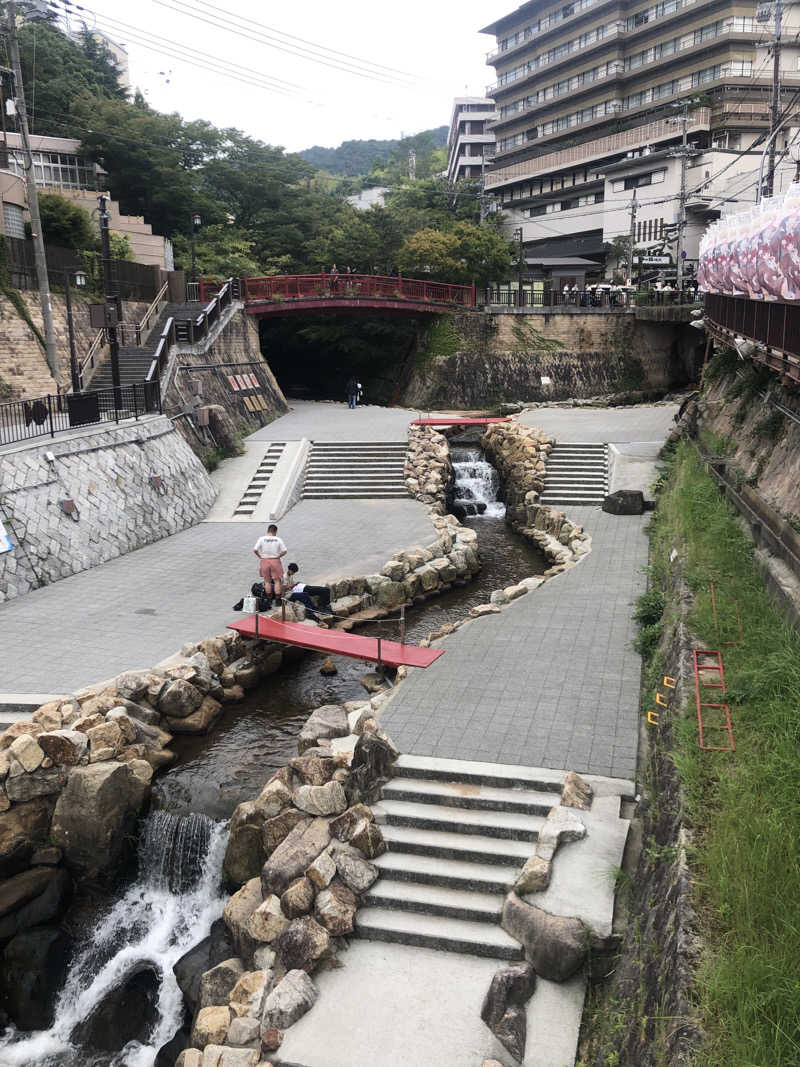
(269, 550)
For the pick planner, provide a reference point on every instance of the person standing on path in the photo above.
(352, 389)
(269, 550)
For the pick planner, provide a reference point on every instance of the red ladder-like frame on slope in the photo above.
(356, 646)
(715, 710)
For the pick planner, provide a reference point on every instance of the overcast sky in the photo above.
(428, 50)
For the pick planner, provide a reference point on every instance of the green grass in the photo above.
(744, 806)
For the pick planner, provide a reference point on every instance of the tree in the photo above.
(66, 224)
(465, 254)
(222, 251)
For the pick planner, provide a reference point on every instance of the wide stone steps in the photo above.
(356, 470)
(457, 835)
(576, 474)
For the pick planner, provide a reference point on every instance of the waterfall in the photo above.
(476, 483)
(169, 908)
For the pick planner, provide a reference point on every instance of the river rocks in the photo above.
(278, 829)
(302, 944)
(18, 729)
(46, 781)
(216, 985)
(26, 751)
(328, 667)
(217, 1056)
(95, 814)
(32, 898)
(34, 965)
(326, 722)
(126, 1013)
(356, 873)
(534, 876)
(198, 721)
(329, 799)
(23, 829)
(238, 911)
(321, 871)
(244, 855)
(298, 898)
(267, 921)
(64, 747)
(560, 825)
(273, 798)
(179, 698)
(291, 998)
(345, 824)
(556, 946)
(391, 595)
(335, 908)
(244, 1033)
(48, 716)
(294, 855)
(248, 994)
(575, 793)
(106, 736)
(376, 754)
(313, 770)
(481, 610)
(503, 1008)
(210, 1026)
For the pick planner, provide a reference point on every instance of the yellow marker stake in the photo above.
(669, 681)
(661, 700)
(652, 718)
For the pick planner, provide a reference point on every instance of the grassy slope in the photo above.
(745, 806)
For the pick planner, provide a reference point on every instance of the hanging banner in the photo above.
(5, 540)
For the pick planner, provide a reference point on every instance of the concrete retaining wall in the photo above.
(106, 472)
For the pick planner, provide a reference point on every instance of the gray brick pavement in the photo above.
(134, 611)
(552, 681)
(642, 422)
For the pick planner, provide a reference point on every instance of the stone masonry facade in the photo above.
(107, 473)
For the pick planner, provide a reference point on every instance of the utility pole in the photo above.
(33, 198)
(112, 305)
(775, 109)
(631, 239)
(684, 152)
(518, 236)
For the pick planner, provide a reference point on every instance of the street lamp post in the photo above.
(196, 223)
(80, 279)
(517, 235)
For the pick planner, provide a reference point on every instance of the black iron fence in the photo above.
(44, 416)
(133, 281)
(588, 298)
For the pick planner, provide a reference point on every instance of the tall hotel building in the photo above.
(589, 97)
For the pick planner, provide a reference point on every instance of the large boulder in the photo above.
(198, 721)
(95, 815)
(126, 1013)
(244, 855)
(289, 1001)
(312, 769)
(178, 699)
(624, 502)
(237, 914)
(267, 921)
(200, 959)
(357, 873)
(328, 799)
(335, 908)
(46, 781)
(64, 746)
(23, 829)
(326, 722)
(503, 1008)
(33, 898)
(34, 966)
(302, 944)
(278, 829)
(298, 898)
(217, 984)
(211, 1026)
(556, 946)
(294, 855)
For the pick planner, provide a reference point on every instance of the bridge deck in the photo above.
(454, 420)
(356, 646)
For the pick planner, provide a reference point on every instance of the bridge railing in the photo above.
(281, 287)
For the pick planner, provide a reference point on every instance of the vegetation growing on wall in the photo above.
(12, 295)
(533, 341)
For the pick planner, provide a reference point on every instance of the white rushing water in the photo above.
(168, 909)
(476, 483)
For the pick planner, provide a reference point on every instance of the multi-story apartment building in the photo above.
(470, 145)
(590, 97)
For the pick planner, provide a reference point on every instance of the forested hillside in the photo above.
(263, 210)
(353, 158)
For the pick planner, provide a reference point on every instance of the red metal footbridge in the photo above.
(288, 294)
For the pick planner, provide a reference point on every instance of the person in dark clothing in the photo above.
(353, 388)
(307, 594)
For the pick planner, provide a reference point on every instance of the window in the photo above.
(742, 68)
(568, 205)
(540, 209)
(13, 221)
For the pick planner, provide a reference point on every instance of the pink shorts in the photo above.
(271, 568)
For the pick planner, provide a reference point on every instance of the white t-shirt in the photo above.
(269, 547)
(298, 587)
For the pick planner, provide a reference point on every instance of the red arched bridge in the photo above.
(283, 294)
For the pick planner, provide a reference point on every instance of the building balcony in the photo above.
(555, 22)
(588, 150)
(535, 67)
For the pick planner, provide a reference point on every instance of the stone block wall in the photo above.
(23, 367)
(485, 359)
(106, 472)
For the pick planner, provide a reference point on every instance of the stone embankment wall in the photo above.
(474, 360)
(428, 470)
(23, 367)
(198, 376)
(117, 509)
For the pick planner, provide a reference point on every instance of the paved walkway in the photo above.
(643, 422)
(328, 421)
(552, 681)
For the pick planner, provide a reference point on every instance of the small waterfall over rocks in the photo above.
(124, 965)
(476, 486)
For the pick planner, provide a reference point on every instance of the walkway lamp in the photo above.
(517, 235)
(79, 277)
(196, 224)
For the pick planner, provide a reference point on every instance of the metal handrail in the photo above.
(164, 342)
(159, 300)
(279, 287)
(88, 361)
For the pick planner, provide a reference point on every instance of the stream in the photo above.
(121, 977)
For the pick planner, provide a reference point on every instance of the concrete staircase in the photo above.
(355, 470)
(576, 474)
(258, 483)
(457, 838)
